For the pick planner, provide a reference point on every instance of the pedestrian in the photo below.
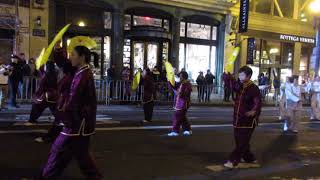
(111, 76)
(226, 78)
(282, 103)
(293, 105)
(80, 109)
(14, 80)
(209, 84)
(25, 71)
(201, 81)
(276, 86)
(4, 74)
(182, 93)
(247, 110)
(46, 96)
(315, 99)
(125, 87)
(148, 95)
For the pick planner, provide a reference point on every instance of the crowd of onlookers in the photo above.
(11, 79)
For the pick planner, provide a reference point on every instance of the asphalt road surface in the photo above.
(126, 150)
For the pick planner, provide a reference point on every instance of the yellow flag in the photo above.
(232, 59)
(170, 72)
(40, 57)
(136, 81)
(43, 60)
(81, 41)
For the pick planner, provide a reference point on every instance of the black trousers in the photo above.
(242, 138)
(13, 90)
(148, 110)
(38, 108)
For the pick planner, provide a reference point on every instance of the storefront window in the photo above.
(182, 29)
(106, 52)
(97, 50)
(138, 55)
(166, 24)
(146, 21)
(214, 33)
(287, 54)
(198, 31)
(213, 59)
(197, 59)
(152, 55)
(126, 53)
(305, 59)
(165, 51)
(107, 20)
(181, 56)
(127, 22)
(270, 52)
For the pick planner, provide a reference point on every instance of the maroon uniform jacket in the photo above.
(148, 89)
(182, 93)
(248, 99)
(47, 91)
(81, 106)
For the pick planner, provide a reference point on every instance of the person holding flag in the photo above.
(148, 95)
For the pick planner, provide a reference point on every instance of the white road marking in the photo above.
(147, 127)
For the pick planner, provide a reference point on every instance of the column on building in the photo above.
(117, 40)
(296, 59)
(174, 54)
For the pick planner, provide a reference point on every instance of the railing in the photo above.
(119, 92)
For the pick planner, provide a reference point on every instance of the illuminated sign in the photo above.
(297, 39)
(244, 16)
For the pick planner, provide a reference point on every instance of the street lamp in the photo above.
(315, 9)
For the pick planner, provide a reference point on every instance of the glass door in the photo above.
(145, 55)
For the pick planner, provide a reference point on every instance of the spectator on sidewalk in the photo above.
(14, 80)
(4, 74)
(25, 71)
(226, 78)
(111, 76)
(209, 82)
(201, 82)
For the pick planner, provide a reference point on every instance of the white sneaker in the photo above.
(173, 134)
(229, 165)
(39, 139)
(187, 133)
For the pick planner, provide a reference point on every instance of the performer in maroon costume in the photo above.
(46, 94)
(148, 95)
(182, 93)
(247, 109)
(78, 111)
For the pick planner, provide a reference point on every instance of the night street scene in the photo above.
(159, 89)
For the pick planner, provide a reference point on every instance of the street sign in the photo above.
(244, 16)
(250, 50)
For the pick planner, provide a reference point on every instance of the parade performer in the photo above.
(182, 93)
(46, 94)
(293, 104)
(247, 110)
(282, 104)
(79, 118)
(315, 99)
(148, 95)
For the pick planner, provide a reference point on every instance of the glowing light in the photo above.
(315, 6)
(274, 50)
(302, 15)
(147, 18)
(81, 24)
(304, 20)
